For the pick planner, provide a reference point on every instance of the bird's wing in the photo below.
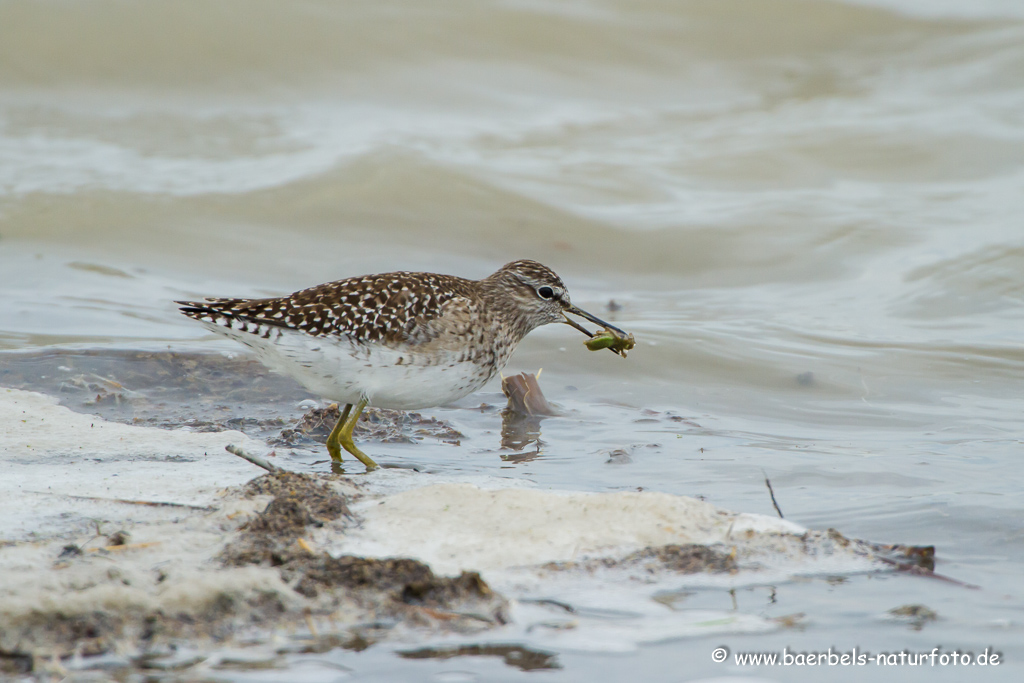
(391, 308)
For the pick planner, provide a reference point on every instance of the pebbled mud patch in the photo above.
(251, 567)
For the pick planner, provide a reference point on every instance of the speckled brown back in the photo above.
(388, 308)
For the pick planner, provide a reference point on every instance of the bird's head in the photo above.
(539, 296)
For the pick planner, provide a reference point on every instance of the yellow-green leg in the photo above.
(341, 436)
(333, 446)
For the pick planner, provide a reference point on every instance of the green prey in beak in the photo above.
(609, 337)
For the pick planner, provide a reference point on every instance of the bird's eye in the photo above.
(546, 293)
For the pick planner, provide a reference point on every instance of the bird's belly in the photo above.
(343, 371)
(408, 387)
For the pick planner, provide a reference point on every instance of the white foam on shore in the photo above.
(49, 453)
(64, 479)
(461, 526)
(512, 534)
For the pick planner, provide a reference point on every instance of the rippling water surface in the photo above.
(810, 213)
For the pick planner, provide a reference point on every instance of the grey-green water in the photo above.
(811, 214)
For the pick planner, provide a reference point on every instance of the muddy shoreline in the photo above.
(167, 579)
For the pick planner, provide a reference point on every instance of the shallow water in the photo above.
(808, 211)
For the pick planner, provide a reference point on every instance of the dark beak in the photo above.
(569, 308)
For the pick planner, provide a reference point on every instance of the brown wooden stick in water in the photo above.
(524, 395)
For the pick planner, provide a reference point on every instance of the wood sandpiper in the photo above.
(396, 340)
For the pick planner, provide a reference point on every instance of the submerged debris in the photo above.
(915, 615)
(205, 392)
(685, 559)
(375, 424)
(516, 656)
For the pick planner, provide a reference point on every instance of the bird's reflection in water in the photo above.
(520, 421)
(519, 432)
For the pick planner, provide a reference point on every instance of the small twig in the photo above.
(772, 494)
(548, 601)
(309, 622)
(126, 546)
(254, 459)
(151, 503)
